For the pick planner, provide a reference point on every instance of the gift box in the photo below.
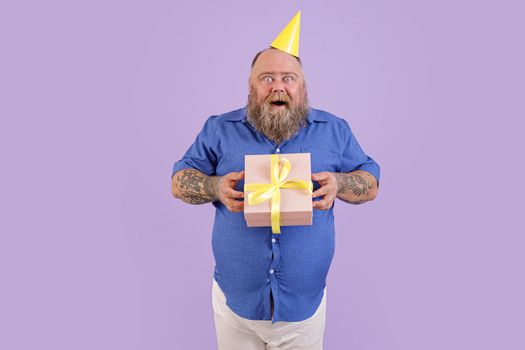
(277, 190)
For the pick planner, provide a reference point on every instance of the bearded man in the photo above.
(269, 289)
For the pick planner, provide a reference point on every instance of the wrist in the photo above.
(211, 187)
(338, 181)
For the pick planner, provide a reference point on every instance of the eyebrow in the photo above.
(276, 73)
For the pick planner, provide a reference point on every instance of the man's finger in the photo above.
(323, 204)
(234, 205)
(317, 176)
(239, 175)
(321, 191)
(231, 193)
(327, 189)
(238, 205)
(322, 178)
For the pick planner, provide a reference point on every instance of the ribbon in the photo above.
(263, 192)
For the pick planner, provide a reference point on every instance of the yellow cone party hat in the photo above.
(288, 39)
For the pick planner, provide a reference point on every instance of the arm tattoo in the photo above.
(358, 184)
(195, 187)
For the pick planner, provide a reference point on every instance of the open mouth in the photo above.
(278, 103)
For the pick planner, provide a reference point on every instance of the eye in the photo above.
(288, 78)
(267, 79)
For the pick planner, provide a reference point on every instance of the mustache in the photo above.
(278, 96)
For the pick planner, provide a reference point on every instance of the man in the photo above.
(269, 289)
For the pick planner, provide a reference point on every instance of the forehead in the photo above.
(276, 61)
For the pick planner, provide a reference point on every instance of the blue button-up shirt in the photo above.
(251, 262)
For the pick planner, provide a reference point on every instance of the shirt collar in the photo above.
(315, 116)
(240, 116)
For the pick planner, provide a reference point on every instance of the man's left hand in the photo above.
(328, 190)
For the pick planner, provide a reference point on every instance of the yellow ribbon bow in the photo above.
(264, 192)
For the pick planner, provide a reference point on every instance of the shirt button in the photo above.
(274, 240)
(278, 150)
(271, 271)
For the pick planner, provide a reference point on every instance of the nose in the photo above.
(277, 86)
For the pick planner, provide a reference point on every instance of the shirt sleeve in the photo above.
(353, 157)
(201, 155)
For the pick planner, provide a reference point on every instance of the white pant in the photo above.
(238, 333)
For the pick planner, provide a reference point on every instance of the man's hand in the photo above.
(227, 194)
(328, 190)
(194, 187)
(355, 187)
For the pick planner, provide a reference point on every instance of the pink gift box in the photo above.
(296, 204)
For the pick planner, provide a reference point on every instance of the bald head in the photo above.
(271, 48)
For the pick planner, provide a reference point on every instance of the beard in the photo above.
(279, 124)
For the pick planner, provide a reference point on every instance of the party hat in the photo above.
(288, 39)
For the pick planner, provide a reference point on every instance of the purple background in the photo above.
(100, 98)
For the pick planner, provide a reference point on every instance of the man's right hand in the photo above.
(227, 194)
(194, 187)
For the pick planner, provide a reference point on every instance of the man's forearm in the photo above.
(356, 187)
(194, 187)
